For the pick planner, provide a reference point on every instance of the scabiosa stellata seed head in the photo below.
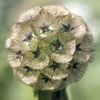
(49, 47)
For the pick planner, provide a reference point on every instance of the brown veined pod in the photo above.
(85, 49)
(27, 75)
(77, 70)
(56, 71)
(46, 83)
(26, 37)
(45, 24)
(75, 26)
(37, 59)
(67, 56)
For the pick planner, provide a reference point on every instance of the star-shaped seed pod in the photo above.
(67, 54)
(45, 24)
(56, 71)
(49, 47)
(27, 75)
(84, 49)
(78, 27)
(76, 69)
(46, 83)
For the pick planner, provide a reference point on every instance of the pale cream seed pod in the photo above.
(49, 47)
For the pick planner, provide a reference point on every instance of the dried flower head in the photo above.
(49, 47)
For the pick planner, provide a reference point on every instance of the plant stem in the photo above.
(60, 95)
(48, 95)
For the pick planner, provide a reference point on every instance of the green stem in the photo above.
(48, 95)
(60, 95)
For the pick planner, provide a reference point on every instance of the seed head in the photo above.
(49, 47)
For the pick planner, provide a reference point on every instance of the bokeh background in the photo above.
(88, 88)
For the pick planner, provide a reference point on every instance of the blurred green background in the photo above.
(88, 88)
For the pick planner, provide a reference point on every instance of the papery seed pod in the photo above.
(49, 47)
(27, 75)
(46, 83)
(77, 71)
(74, 26)
(84, 49)
(56, 71)
(67, 55)
(45, 24)
(38, 64)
